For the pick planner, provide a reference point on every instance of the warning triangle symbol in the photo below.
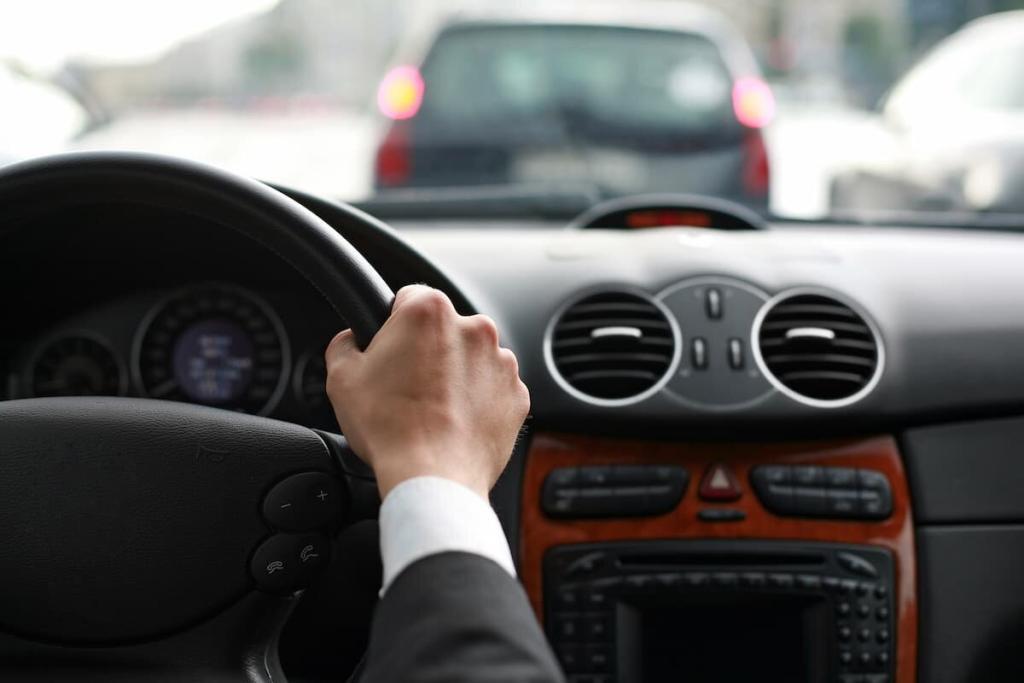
(719, 484)
(719, 479)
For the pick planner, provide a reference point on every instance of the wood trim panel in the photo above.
(548, 451)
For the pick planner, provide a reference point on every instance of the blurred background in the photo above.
(306, 92)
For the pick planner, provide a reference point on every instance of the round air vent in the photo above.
(816, 349)
(612, 348)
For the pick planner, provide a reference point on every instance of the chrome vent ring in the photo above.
(817, 348)
(612, 347)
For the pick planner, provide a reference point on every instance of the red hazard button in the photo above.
(719, 484)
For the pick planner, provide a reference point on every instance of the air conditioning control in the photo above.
(830, 492)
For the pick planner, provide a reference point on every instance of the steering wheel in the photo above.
(152, 541)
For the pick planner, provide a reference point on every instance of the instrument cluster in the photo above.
(219, 345)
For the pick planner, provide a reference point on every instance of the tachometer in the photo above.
(77, 365)
(217, 345)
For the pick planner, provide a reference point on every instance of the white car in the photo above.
(950, 135)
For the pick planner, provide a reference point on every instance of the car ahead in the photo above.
(950, 136)
(648, 97)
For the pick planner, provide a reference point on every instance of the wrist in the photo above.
(392, 473)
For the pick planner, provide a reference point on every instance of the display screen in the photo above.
(213, 361)
(764, 640)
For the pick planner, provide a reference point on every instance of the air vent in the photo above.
(612, 348)
(817, 349)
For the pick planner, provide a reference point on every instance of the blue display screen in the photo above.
(213, 361)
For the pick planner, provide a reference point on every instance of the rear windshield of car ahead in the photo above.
(630, 78)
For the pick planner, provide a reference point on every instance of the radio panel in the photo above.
(776, 612)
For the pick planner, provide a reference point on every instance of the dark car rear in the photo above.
(623, 107)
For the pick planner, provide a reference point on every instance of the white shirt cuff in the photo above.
(425, 516)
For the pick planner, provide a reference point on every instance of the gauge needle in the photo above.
(164, 389)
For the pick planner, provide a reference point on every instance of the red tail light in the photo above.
(394, 160)
(756, 168)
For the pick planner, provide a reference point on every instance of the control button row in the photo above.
(734, 353)
(595, 594)
(864, 634)
(864, 660)
(585, 659)
(821, 475)
(613, 491)
(864, 678)
(582, 627)
(303, 502)
(287, 562)
(815, 491)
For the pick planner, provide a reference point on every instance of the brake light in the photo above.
(756, 167)
(400, 93)
(753, 102)
(394, 164)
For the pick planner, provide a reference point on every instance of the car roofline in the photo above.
(650, 15)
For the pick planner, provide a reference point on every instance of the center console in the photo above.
(721, 611)
(651, 562)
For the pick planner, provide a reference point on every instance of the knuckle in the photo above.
(483, 328)
(509, 361)
(430, 304)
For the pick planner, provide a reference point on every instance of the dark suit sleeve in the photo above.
(456, 617)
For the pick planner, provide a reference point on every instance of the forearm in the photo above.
(452, 609)
(457, 617)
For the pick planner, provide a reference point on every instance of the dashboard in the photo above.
(821, 419)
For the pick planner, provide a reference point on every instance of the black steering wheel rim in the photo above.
(93, 484)
(294, 233)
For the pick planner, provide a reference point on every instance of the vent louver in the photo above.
(613, 346)
(819, 349)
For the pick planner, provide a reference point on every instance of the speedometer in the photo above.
(216, 345)
(77, 365)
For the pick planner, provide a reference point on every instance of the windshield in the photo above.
(805, 109)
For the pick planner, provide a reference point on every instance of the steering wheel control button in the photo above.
(303, 502)
(822, 491)
(613, 490)
(311, 554)
(274, 565)
(719, 484)
(287, 562)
